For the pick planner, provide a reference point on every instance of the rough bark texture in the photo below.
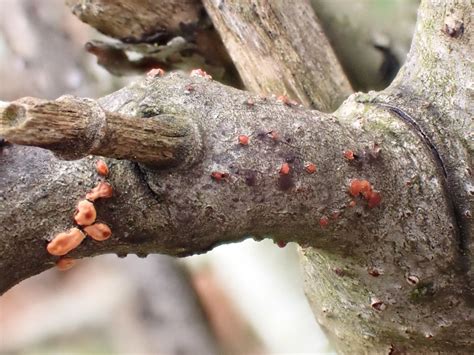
(394, 278)
(279, 47)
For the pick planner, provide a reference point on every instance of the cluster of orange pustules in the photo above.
(365, 189)
(85, 218)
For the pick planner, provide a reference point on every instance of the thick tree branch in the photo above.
(279, 47)
(185, 211)
(376, 276)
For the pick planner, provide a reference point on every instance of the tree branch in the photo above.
(74, 128)
(138, 21)
(378, 274)
(268, 41)
(184, 211)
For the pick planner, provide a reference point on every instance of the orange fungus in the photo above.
(98, 231)
(102, 190)
(63, 243)
(64, 264)
(101, 168)
(285, 169)
(85, 213)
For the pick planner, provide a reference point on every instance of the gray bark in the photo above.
(412, 142)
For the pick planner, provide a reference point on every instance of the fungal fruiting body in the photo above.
(155, 72)
(101, 168)
(98, 231)
(63, 243)
(349, 154)
(218, 176)
(274, 135)
(64, 264)
(286, 100)
(243, 139)
(102, 190)
(324, 221)
(201, 73)
(359, 187)
(85, 213)
(310, 168)
(285, 169)
(363, 187)
(281, 243)
(374, 199)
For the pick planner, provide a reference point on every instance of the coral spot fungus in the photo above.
(281, 243)
(359, 187)
(349, 154)
(363, 187)
(374, 199)
(101, 168)
(286, 100)
(243, 139)
(323, 221)
(285, 169)
(155, 72)
(218, 176)
(102, 190)
(310, 168)
(85, 213)
(201, 73)
(64, 242)
(274, 135)
(64, 264)
(98, 231)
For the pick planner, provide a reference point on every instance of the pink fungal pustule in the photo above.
(374, 198)
(323, 221)
(243, 139)
(310, 168)
(201, 73)
(285, 169)
(64, 242)
(85, 213)
(101, 168)
(286, 100)
(155, 72)
(102, 190)
(349, 154)
(364, 188)
(281, 243)
(98, 231)
(64, 264)
(274, 135)
(359, 187)
(218, 176)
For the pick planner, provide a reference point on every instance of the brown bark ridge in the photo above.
(279, 48)
(384, 278)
